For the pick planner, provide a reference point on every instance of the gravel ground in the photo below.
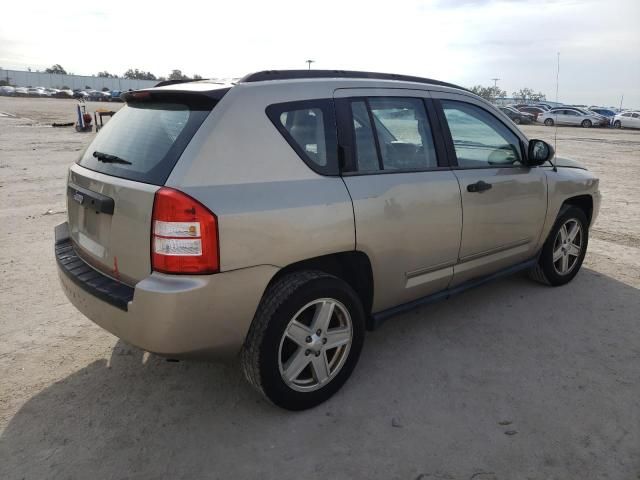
(512, 380)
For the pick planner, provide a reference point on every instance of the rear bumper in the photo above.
(171, 315)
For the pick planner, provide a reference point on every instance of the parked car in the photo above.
(572, 116)
(518, 117)
(544, 106)
(605, 112)
(64, 94)
(36, 92)
(80, 94)
(21, 92)
(535, 111)
(115, 96)
(627, 120)
(210, 219)
(7, 91)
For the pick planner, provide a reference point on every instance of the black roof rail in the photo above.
(266, 75)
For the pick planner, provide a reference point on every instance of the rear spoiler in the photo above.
(210, 97)
(164, 83)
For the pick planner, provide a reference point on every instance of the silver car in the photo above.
(281, 217)
(572, 116)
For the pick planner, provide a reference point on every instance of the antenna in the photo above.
(555, 135)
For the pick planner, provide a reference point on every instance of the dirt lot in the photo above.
(509, 381)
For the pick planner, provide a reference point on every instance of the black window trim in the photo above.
(329, 118)
(347, 144)
(160, 173)
(451, 147)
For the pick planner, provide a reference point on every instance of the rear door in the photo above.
(573, 118)
(406, 200)
(560, 117)
(111, 189)
(504, 202)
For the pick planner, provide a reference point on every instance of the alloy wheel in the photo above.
(567, 247)
(315, 345)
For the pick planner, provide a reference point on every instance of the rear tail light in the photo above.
(184, 235)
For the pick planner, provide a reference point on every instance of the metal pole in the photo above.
(310, 62)
(555, 134)
(557, 77)
(495, 88)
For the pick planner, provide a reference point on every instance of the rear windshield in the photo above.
(144, 140)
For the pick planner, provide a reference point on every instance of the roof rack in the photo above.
(267, 75)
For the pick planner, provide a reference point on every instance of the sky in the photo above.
(467, 42)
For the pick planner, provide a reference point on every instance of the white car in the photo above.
(36, 92)
(572, 116)
(627, 120)
(7, 91)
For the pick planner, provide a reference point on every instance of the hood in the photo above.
(568, 163)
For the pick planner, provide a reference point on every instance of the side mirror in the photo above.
(539, 152)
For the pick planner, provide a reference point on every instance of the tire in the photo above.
(548, 122)
(268, 350)
(516, 120)
(617, 124)
(586, 124)
(551, 272)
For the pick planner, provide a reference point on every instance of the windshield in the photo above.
(143, 141)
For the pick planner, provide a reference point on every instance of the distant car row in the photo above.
(86, 94)
(567, 115)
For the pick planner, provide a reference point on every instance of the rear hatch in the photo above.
(111, 190)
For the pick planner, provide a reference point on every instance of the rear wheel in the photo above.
(548, 122)
(586, 124)
(617, 124)
(564, 250)
(305, 339)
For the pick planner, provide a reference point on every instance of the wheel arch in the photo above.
(353, 267)
(583, 202)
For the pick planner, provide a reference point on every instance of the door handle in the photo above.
(479, 186)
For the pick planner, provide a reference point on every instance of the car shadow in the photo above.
(512, 378)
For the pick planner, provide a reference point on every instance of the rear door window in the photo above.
(392, 134)
(365, 142)
(144, 140)
(404, 133)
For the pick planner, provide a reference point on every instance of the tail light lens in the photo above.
(184, 235)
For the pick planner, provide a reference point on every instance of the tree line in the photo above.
(492, 93)
(133, 74)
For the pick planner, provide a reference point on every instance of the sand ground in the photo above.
(512, 380)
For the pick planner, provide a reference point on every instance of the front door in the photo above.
(504, 202)
(406, 200)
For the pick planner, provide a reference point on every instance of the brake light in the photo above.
(184, 235)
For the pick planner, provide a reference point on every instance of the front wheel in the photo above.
(617, 124)
(564, 250)
(586, 124)
(305, 339)
(548, 122)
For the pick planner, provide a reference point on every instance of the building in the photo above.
(20, 78)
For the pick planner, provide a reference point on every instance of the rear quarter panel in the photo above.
(272, 208)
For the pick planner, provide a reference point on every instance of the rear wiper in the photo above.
(107, 158)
